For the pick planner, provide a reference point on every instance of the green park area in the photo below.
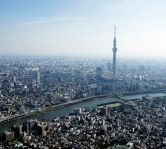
(113, 105)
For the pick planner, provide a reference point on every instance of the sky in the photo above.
(83, 27)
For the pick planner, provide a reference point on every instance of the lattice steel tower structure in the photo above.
(114, 49)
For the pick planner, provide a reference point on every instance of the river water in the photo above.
(70, 109)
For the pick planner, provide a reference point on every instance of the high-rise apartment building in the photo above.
(37, 77)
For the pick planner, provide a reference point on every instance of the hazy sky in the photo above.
(83, 27)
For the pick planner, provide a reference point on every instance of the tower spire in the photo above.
(115, 31)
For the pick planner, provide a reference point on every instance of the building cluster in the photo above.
(133, 124)
(30, 84)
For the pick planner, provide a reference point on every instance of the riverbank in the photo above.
(102, 96)
(147, 91)
(120, 102)
(15, 117)
(65, 110)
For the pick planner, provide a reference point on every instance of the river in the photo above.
(53, 113)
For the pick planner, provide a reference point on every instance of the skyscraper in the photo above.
(114, 49)
(37, 77)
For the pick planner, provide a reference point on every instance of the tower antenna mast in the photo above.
(115, 31)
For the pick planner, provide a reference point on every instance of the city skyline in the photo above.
(82, 28)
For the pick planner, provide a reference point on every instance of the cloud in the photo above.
(48, 20)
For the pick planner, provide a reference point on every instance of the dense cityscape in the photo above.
(124, 125)
(29, 85)
(32, 84)
(82, 74)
